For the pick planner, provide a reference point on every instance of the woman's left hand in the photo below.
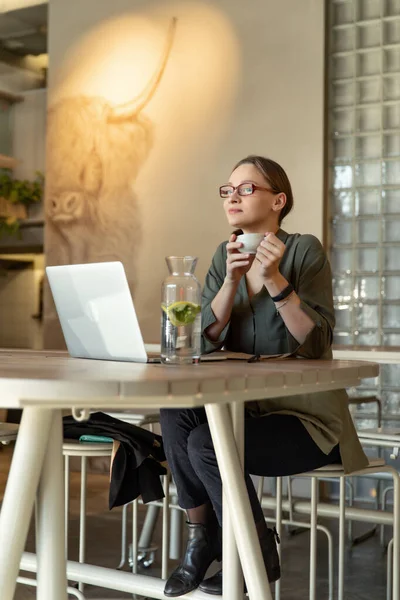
(269, 255)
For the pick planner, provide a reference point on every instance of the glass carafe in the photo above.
(180, 312)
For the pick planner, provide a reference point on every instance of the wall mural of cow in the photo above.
(95, 152)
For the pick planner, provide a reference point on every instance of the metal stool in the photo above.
(84, 451)
(336, 471)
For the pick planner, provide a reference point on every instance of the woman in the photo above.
(274, 302)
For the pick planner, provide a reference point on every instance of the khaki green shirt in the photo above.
(256, 328)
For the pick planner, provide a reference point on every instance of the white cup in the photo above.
(250, 242)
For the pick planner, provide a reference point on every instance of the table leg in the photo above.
(237, 498)
(51, 578)
(19, 498)
(232, 577)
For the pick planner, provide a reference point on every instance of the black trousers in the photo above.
(275, 445)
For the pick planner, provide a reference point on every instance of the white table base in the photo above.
(40, 443)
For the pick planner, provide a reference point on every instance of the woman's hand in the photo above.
(237, 264)
(269, 255)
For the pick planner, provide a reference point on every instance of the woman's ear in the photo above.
(279, 202)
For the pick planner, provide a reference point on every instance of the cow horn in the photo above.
(126, 111)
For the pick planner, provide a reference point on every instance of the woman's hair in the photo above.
(276, 178)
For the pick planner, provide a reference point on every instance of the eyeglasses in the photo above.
(244, 189)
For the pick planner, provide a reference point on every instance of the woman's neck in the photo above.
(263, 228)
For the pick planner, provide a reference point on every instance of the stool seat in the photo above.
(73, 448)
(372, 464)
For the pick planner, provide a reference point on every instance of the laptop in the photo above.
(97, 314)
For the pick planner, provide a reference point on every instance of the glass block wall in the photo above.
(364, 180)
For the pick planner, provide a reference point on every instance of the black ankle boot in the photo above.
(213, 585)
(203, 547)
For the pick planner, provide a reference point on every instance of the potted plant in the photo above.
(16, 195)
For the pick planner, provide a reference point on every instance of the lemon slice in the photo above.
(181, 313)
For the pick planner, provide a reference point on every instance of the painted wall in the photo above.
(235, 82)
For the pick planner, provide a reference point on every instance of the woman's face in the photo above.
(250, 213)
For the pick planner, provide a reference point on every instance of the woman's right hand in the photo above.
(237, 263)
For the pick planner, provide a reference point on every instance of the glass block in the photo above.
(368, 36)
(342, 203)
(343, 12)
(370, 338)
(368, 9)
(369, 63)
(391, 288)
(391, 172)
(368, 146)
(391, 258)
(343, 39)
(391, 32)
(367, 288)
(391, 8)
(342, 289)
(368, 259)
(368, 231)
(391, 201)
(368, 174)
(342, 121)
(391, 60)
(341, 260)
(368, 91)
(343, 317)
(391, 339)
(391, 402)
(391, 88)
(368, 119)
(342, 148)
(367, 202)
(343, 338)
(342, 176)
(342, 232)
(391, 145)
(343, 67)
(391, 116)
(370, 383)
(390, 375)
(391, 233)
(366, 315)
(391, 316)
(343, 94)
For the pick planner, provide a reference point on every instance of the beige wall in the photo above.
(242, 78)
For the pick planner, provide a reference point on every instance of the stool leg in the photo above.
(149, 525)
(165, 529)
(349, 483)
(123, 537)
(313, 538)
(66, 491)
(260, 488)
(342, 520)
(175, 543)
(396, 535)
(82, 517)
(389, 573)
(134, 536)
(279, 529)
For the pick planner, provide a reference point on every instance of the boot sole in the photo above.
(275, 576)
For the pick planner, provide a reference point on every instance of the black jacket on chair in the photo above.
(136, 467)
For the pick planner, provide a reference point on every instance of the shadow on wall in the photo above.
(95, 152)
